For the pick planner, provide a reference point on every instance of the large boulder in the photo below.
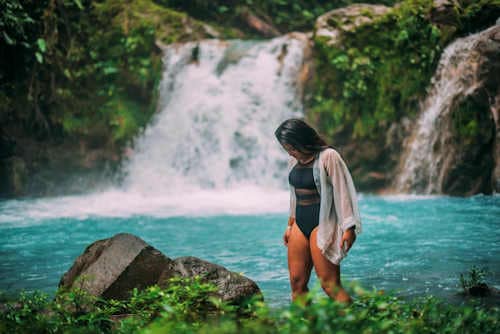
(111, 268)
(332, 25)
(232, 287)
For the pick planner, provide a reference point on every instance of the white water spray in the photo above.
(211, 149)
(220, 103)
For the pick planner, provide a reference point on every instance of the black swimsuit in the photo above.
(307, 197)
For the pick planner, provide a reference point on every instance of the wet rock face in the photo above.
(111, 268)
(468, 162)
(13, 175)
(495, 109)
(471, 162)
(333, 24)
(452, 148)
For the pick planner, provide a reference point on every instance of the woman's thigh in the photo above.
(299, 256)
(325, 270)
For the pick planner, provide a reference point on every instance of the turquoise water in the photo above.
(416, 245)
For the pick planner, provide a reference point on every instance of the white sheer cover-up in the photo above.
(339, 205)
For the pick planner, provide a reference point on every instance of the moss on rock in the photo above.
(374, 73)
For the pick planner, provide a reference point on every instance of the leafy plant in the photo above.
(190, 306)
(473, 278)
(373, 76)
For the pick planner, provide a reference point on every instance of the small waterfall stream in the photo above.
(456, 76)
(219, 105)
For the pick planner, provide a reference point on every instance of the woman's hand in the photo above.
(348, 239)
(288, 231)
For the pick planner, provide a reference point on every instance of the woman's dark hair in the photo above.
(298, 134)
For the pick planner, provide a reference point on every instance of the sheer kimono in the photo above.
(338, 206)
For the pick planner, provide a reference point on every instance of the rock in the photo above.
(445, 12)
(258, 24)
(455, 153)
(7, 146)
(333, 24)
(210, 31)
(471, 163)
(466, 159)
(480, 289)
(232, 287)
(304, 82)
(111, 268)
(495, 110)
(13, 173)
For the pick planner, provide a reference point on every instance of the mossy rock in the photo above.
(169, 25)
(331, 26)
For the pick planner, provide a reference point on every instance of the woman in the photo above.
(324, 217)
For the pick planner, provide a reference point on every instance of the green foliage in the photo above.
(184, 300)
(378, 71)
(190, 306)
(14, 23)
(471, 121)
(85, 68)
(286, 16)
(371, 312)
(477, 15)
(25, 313)
(473, 278)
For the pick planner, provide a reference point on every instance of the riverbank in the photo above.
(188, 307)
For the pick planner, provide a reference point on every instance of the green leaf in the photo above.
(222, 9)
(79, 4)
(41, 45)
(9, 40)
(110, 70)
(39, 57)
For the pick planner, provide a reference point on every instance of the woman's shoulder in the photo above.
(330, 153)
(331, 159)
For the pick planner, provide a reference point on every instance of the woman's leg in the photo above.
(299, 262)
(328, 273)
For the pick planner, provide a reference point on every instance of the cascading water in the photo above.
(210, 149)
(456, 76)
(219, 105)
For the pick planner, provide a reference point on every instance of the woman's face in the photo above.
(296, 153)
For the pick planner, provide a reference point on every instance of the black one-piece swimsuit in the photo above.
(307, 197)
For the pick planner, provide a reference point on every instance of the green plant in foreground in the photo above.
(191, 306)
(475, 278)
(371, 312)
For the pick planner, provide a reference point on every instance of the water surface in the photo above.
(416, 245)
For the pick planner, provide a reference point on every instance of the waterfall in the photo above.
(456, 76)
(219, 104)
(210, 148)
